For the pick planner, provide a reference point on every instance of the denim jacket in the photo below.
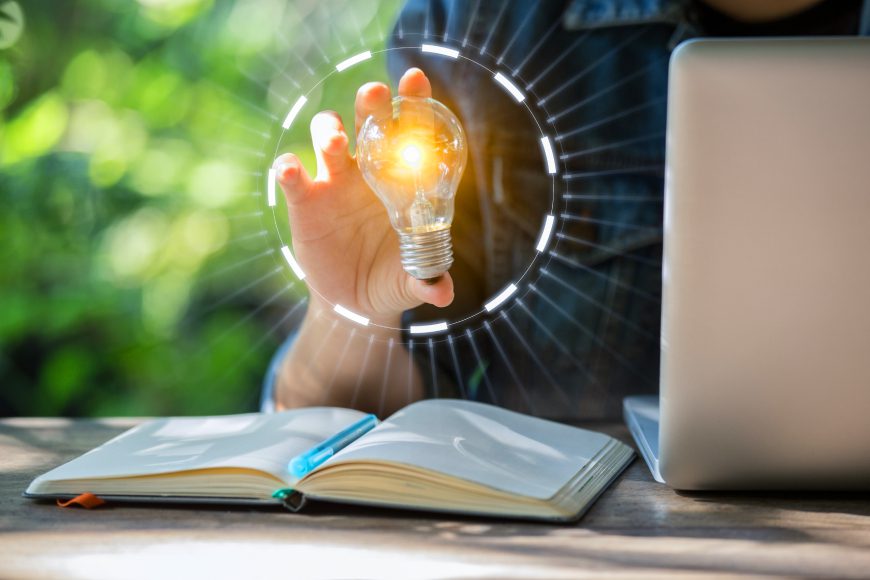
(583, 330)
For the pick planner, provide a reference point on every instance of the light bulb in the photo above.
(413, 160)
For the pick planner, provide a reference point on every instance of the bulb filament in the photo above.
(422, 213)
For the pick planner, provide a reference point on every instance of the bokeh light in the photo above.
(138, 277)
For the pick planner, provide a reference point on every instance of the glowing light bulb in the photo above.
(413, 160)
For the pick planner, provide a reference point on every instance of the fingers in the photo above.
(330, 145)
(375, 99)
(438, 293)
(328, 133)
(372, 99)
(292, 177)
(414, 84)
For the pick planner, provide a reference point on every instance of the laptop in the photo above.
(765, 358)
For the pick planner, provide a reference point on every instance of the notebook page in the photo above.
(256, 441)
(498, 448)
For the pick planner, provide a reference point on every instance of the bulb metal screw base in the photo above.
(426, 255)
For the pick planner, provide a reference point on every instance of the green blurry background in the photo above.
(140, 273)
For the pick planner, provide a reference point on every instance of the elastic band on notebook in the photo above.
(282, 493)
(290, 498)
(86, 500)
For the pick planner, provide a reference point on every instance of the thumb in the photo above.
(437, 292)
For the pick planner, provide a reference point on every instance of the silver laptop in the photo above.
(765, 374)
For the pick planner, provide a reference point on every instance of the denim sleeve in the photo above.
(267, 394)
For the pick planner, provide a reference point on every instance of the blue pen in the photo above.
(303, 464)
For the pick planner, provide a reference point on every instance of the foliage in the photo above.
(137, 276)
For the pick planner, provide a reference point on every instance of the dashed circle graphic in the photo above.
(545, 145)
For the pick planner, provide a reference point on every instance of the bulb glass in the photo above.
(413, 160)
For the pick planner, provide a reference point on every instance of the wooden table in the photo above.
(637, 527)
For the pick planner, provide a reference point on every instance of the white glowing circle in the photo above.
(412, 156)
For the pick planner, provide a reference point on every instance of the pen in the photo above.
(305, 463)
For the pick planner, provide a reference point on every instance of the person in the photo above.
(583, 331)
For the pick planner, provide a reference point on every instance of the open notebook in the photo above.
(440, 454)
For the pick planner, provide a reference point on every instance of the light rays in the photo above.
(432, 369)
(597, 95)
(338, 364)
(248, 237)
(616, 225)
(316, 45)
(518, 383)
(362, 371)
(582, 295)
(481, 365)
(259, 342)
(471, 22)
(410, 368)
(309, 35)
(269, 301)
(610, 119)
(294, 52)
(341, 47)
(612, 145)
(355, 20)
(445, 35)
(246, 215)
(516, 34)
(544, 38)
(609, 251)
(460, 382)
(249, 105)
(494, 27)
(535, 357)
(637, 291)
(589, 68)
(239, 149)
(379, 29)
(280, 70)
(238, 264)
(658, 167)
(305, 64)
(227, 120)
(325, 340)
(239, 291)
(387, 368)
(281, 321)
(611, 197)
(559, 345)
(590, 335)
(555, 62)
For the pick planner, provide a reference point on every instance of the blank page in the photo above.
(253, 441)
(501, 449)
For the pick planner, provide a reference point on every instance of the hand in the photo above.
(342, 236)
